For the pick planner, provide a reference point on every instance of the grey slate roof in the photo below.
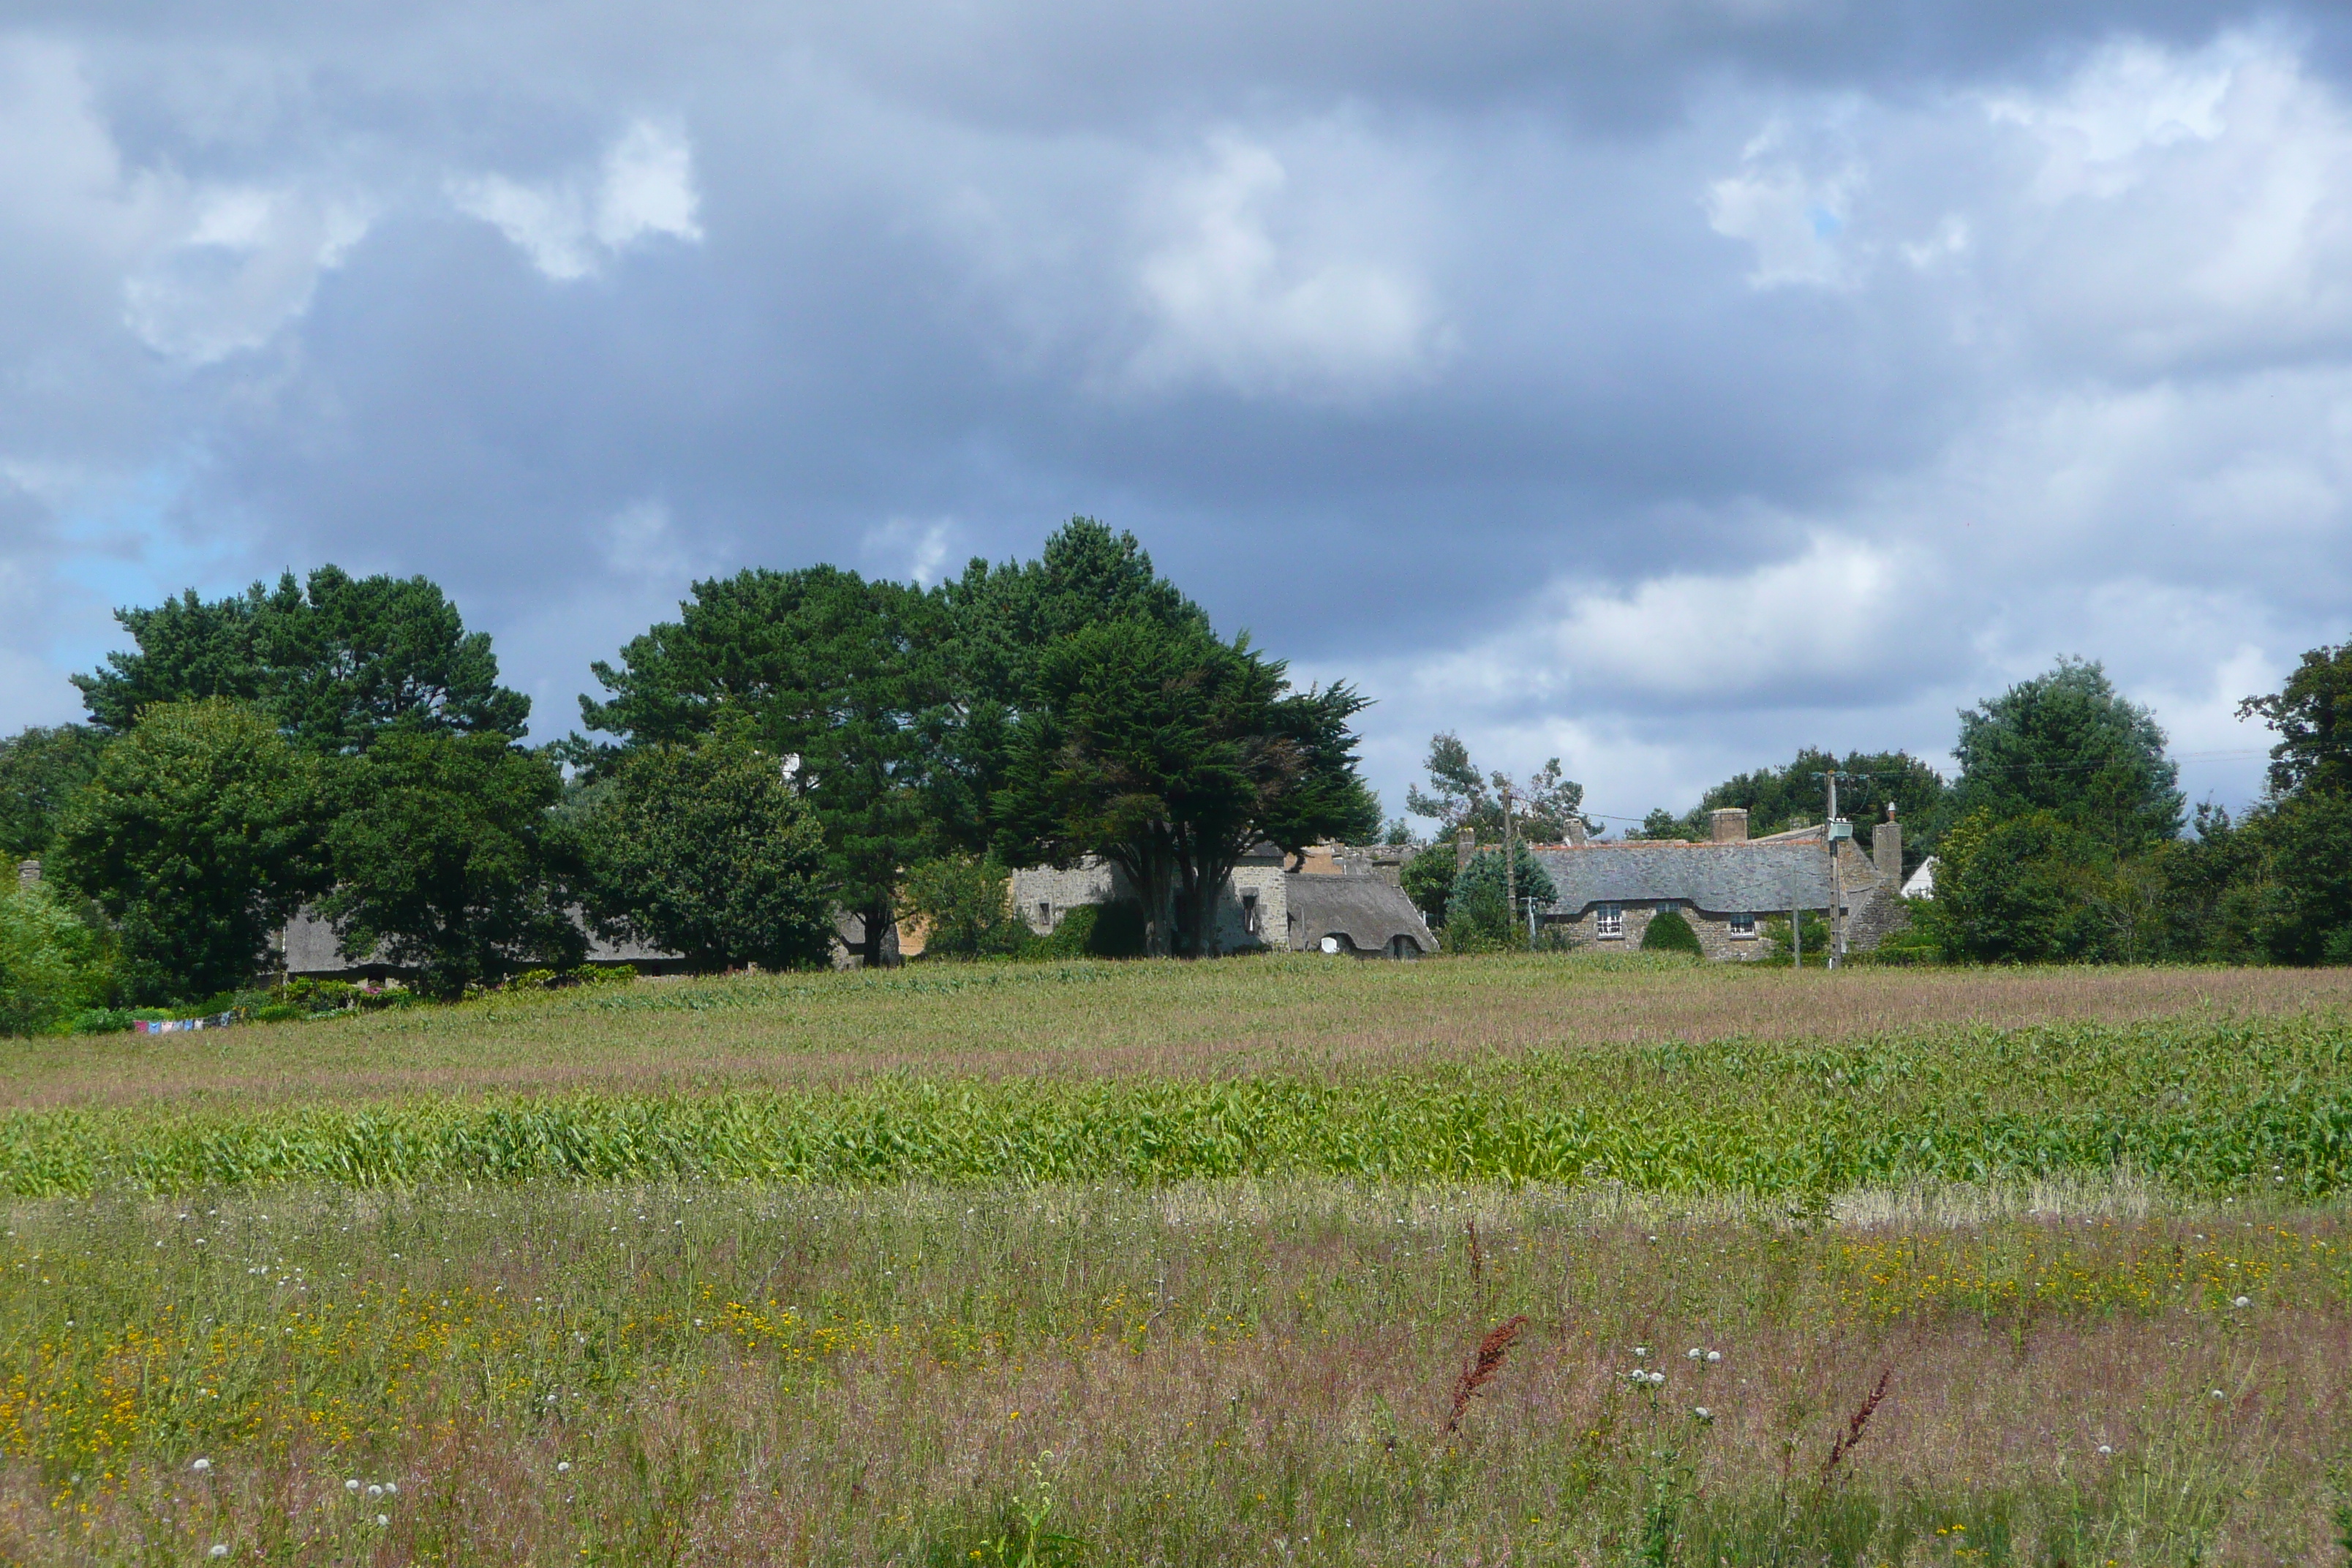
(1758, 877)
(311, 949)
(1369, 911)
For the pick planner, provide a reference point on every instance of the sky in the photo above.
(1659, 384)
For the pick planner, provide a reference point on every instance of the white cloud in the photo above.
(1796, 219)
(568, 227)
(248, 263)
(903, 547)
(1231, 297)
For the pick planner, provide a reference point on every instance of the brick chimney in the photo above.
(1728, 824)
(1576, 828)
(1465, 841)
(1886, 846)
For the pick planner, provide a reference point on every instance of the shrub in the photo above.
(1092, 930)
(52, 963)
(966, 903)
(1668, 932)
(1816, 930)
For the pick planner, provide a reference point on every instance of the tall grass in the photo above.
(2198, 1106)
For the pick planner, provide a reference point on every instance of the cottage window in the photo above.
(1045, 913)
(1249, 912)
(1608, 920)
(1743, 927)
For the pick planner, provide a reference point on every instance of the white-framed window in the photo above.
(1743, 927)
(1608, 920)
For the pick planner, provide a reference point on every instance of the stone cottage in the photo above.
(1338, 899)
(1725, 887)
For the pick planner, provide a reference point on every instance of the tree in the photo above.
(1777, 799)
(1169, 754)
(2313, 715)
(2024, 889)
(1458, 797)
(40, 770)
(336, 662)
(965, 903)
(841, 676)
(2305, 909)
(1428, 879)
(2067, 744)
(1479, 911)
(704, 848)
(52, 963)
(198, 837)
(442, 860)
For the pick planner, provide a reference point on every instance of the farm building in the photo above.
(1336, 900)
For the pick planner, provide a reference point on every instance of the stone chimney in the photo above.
(1464, 842)
(1728, 824)
(1576, 828)
(1886, 846)
(27, 873)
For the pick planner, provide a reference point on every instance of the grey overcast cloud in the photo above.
(1658, 383)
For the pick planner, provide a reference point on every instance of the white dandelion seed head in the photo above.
(201, 1466)
(2219, 1394)
(391, 1487)
(1714, 1355)
(220, 1549)
(352, 1485)
(2244, 1301)
(1694, 1353)
(563, 1467)
(382, 1519)
(1640, 1351)
(2105, 1448)
(375, 1491)
(1702, 1412)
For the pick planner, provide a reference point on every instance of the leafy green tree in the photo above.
(1458, 796)
(1777, 799)
(199, 836)
(337, 661)
(2313, 715)
(1169, 754)
(2024, 889)
(2306, 911)
(443, 860)
(1479, 912)
(843, 677)
(965, 903)
(1428, 880)
(1000, 620)
(704, 848)
(2211, 891)
(1780, 951)
(52, 963)
(2067, 744)
(41, 769)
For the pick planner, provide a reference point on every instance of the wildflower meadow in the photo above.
(2060, 1289)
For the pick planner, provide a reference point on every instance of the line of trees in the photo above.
(795, 747)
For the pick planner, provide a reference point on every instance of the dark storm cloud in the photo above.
(1661, 384)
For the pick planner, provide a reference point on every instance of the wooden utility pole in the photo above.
(1510, 865)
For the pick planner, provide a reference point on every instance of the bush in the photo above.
(1092, 930)
(966, 903)
(1670, 932)
(1816, 930)
(52, 963)
(1478, 915)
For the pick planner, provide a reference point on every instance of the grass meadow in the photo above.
(1400, 1264)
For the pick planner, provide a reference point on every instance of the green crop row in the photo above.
(2203, 1108)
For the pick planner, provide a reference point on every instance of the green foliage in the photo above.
(199, 837)
(52, 964)
(2035, 889)
(1777, 799)
(441, 853)
(336, 661)
(40, 770)
(1169, 754)
(1428, 880)
(1780, 952)
(965, 902)
(2065, 744)
(1092, 930)
(2313, 715)
(821, 666)
(1478, 911)
(703, 848)
(2306, 912)
(2209, 1107)
(1668, 932)
(1542, 808)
